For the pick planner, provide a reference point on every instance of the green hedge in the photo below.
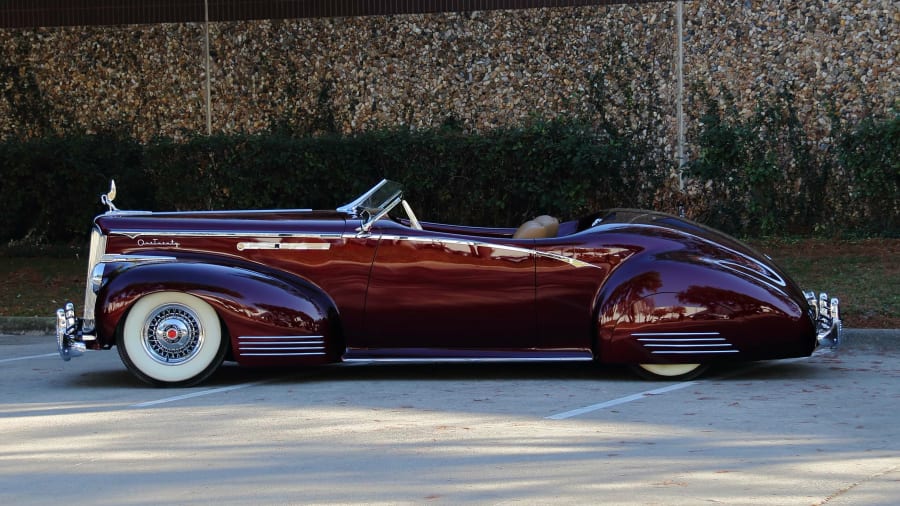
(753, 176)
(499, 178)
(50, 187)
(761, 175)
(870, 154)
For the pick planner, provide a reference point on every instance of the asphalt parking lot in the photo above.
(809, 431)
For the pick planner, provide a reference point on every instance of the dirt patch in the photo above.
(864, 275)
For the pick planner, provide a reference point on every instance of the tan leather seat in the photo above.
(550, 224)
(539, 228)
(529, 230)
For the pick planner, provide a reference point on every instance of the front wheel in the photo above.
(171, 339)
(669, 372)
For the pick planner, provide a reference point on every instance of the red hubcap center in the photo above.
(172, 334)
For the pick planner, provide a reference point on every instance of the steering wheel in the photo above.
(413, 221)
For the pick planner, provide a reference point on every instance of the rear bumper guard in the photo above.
(827, 318)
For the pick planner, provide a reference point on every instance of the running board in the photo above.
(463, 355)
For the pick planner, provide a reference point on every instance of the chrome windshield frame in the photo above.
(375, 200)
(374, 204)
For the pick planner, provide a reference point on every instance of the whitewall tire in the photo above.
(670, 372)
(171, 339)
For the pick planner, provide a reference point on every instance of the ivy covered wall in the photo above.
(478, 70)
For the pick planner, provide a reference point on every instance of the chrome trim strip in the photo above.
(238, 211)
(244, 345)
(317, 353)
(691, 345)
(460, 242)
(693, 352)
(134, 234)
(280, 348)
(115, 257)
(699, 340)
(429, 360)
(517, 249)
(675, 334)
(290, 338)
(129, 213)
(302, 246)
(284, 342)
(562, 258)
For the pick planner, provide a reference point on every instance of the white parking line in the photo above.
(620, 400)
(196, 394)
(3, 361)
(670, 388)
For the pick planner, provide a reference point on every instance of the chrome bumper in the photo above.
(69, 341)
(827, 318)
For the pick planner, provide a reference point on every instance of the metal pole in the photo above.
(206, 50)
(679, 105)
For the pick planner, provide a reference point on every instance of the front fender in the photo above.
(249, 302)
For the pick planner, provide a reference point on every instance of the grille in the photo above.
(98, 247)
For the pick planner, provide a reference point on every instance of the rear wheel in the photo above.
(171, 339)
(669, 372)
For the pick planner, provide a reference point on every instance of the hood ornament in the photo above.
(107, 199)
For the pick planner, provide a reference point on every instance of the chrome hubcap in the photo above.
(172, 334)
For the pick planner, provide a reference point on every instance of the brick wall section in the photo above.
(483, 69)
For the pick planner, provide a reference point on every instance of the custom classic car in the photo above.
(178, 293)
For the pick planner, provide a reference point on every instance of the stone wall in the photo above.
(480, 70)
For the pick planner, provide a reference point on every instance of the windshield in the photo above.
(377, 201)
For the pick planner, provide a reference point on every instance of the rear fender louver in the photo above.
(684, 343)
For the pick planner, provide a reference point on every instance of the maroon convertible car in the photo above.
(178, 293)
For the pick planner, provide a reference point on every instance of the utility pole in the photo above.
(679, 100)
(206, 51)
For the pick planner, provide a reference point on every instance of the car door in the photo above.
(447, 291)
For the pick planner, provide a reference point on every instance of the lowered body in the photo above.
(178, 293)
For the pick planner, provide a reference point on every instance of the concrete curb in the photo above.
(871, 337)
(43, 326)
(19, 325)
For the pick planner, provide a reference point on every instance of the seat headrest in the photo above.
(550, 224)
(529, 230)
(538, 228)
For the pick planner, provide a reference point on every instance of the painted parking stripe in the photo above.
(196, 394)
(620, 400)
(670, 388)
(45, 355)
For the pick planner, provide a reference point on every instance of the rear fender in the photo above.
(250, 303)
(664, 310)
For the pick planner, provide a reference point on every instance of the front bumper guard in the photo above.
(827, 318)
(69, 333)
